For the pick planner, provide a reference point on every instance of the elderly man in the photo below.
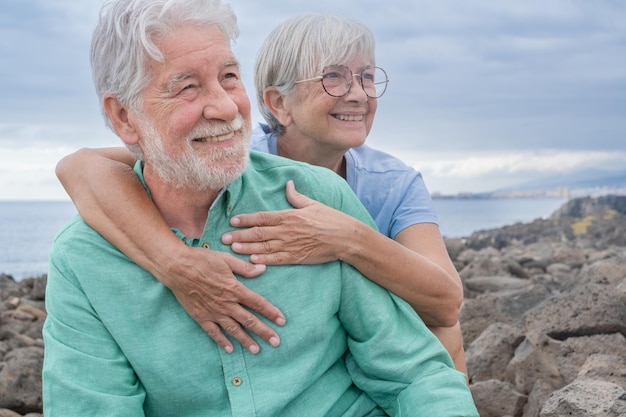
(118, 342)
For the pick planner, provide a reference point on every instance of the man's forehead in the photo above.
(191, 50)
(189, 38)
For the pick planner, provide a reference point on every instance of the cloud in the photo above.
(544, 162)
(453, 172)
(485, 90)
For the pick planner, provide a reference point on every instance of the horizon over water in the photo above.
(460, 217)
(27, 228)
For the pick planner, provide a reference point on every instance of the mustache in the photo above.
(216, 128)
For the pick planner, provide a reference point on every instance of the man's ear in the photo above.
(122, 123)
(278, 105)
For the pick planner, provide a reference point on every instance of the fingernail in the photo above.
(228, 349)
(280, 321)
(227, 239)
(274, 341)
(254, 349)
(235, 221)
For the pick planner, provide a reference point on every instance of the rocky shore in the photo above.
(544, 319)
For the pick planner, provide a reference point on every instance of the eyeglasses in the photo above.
(337, 80)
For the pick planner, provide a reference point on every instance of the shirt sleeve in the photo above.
(84, 372)
(393, 356)
(411, 204)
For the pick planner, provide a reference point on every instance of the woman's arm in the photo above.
(415, 266)
(111, 199)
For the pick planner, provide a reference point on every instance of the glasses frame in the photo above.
(349, 83)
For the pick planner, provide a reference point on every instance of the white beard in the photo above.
(191, 170)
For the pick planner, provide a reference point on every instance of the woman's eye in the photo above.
(332, 75)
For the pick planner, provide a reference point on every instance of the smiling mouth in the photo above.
(349, 118)
(215, 139)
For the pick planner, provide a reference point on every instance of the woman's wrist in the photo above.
(352, 246)
(169, 264)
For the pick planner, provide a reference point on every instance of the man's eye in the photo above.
(186, 88)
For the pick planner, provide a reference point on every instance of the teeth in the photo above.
(220, 138)
(349, 118)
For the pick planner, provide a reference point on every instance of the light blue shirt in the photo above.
(393, 193)
(117, 342)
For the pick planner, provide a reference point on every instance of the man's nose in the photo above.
(220, 105)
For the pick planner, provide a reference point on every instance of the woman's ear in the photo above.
(278, 104)
(120, 120)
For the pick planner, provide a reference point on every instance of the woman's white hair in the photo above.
(301, 47)
(124, 39)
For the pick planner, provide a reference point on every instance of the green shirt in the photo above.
(117, 343)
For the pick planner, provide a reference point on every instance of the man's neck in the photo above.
(182, 209)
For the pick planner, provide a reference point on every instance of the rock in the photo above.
(588, 310)
(489, 355)
(576, 351)
(496, 283)
(610, 272)
(587, 398)
(537, 399)
(495, 398)
(610, 368)
(504, 307)
(4, 412)
(535, 361)
(20, 380)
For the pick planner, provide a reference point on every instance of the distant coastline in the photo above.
(589, 183)
(566, 193)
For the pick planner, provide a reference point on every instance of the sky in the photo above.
(483, 94)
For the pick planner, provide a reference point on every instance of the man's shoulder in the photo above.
(75, 238)
(261, 161)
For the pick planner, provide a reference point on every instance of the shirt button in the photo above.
(237, 381)
(206, 245)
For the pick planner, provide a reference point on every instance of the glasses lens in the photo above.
(336, 80)
(374, 81)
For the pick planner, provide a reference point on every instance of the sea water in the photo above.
(28, 228)
(26, 233)
(462, 217)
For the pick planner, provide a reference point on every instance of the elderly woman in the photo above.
(318, 88)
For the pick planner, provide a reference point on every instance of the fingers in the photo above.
(259, 304)
(246, 269)
(238, 332)
(238, 322)
(295, 198)
(223, 306)
(215, 332)
(273, 218)
(262, 218)
(257, 240)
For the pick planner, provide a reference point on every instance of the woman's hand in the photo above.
(208, 290)
(312, 233)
